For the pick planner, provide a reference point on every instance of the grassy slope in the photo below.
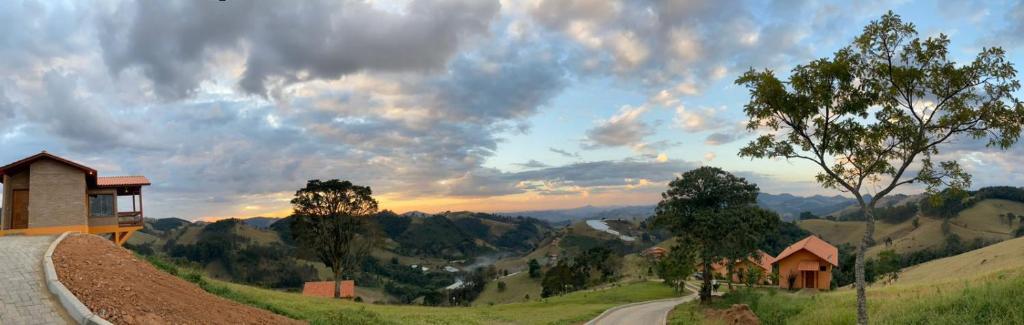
(568, 309)
(955, 290)
(980, 221)
(517, 287)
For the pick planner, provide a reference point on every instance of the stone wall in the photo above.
(57, 195)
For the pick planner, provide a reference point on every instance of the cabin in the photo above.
(807, 264)
(45, 194)
(740, 268)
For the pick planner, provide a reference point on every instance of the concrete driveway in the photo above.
(24, 298)
(651, 312)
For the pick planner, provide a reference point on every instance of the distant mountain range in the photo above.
(788, 207)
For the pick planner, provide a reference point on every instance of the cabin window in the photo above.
(823, 268)
(101, 205)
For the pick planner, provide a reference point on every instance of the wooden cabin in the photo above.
(807, 264)
(46, 194)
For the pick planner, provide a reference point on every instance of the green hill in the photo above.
(983, 286)
(981, 221)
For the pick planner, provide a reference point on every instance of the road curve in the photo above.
(651, 312)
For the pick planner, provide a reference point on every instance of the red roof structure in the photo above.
(112, 181)
(14, 166)
(815, 246)
(326, 289)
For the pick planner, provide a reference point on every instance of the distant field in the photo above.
(980, 221)
(572, 308)
(978, 287)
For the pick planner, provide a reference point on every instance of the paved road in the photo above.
(654, 312)
(24, 298)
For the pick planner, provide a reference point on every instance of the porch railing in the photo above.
(129, 219)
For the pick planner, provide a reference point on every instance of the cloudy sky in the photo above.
(229, 107)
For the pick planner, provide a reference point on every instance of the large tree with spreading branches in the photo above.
(714, 214)
(873, 117)
(331, 221)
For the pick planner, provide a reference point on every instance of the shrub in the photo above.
(501, 286)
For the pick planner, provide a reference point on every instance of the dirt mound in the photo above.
(737, 314)
(124, 290)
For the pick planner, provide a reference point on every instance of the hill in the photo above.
(790, 206)
(983, 286)
(982, 221)
(984, 262)
(260, 222)
(420, 255)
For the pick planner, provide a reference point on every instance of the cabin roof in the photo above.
(117, 181)
(24, 162)
(815, 246)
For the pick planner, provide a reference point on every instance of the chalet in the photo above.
(807, 264)
(46, 194)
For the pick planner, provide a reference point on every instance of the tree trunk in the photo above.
(705, 289)
(337, 283)
(869, 232)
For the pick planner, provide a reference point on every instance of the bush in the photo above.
(501, 286)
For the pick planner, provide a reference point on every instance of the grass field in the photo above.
(517, 287)
(568, 309)
(980, 221)
(571, 308)
(984, 286)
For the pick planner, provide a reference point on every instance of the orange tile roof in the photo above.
(815, 246)
(326, 289)
(122, 181)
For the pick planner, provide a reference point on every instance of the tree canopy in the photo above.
(875, 114)
(331, 222)
(714, 213)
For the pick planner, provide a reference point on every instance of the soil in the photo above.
(737, 314)
(125, 290)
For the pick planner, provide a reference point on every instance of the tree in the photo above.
(888, 264)
(675, 266)
(330, 220)
(534, 268)
(716, 214)
(878, 110)
(501, 286)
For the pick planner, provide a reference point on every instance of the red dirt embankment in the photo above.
(125, 290)
(737, 314)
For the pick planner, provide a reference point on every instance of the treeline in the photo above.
(949, 203)
(594, 266)
(242, 260)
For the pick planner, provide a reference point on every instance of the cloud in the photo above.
(532, 164)
(623, 129)
(284, 42)
(575, 178)
(704, 119)
(565, 153)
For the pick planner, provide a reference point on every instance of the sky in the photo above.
(229, 107)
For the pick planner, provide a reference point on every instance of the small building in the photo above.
(46, 194)
(740, 268)
(326, 289)
(807, 264)
(655, 252)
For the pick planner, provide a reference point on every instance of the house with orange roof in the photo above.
(807, 264)
(760, 260)
(46, 194)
